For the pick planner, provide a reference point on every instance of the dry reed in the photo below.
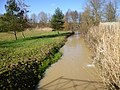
(105, 40)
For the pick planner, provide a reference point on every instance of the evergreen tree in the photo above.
(57, 21)
(14, 19)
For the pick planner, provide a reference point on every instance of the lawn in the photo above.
(35, 52)
(28, 33)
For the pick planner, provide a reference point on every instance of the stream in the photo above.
(74, 70)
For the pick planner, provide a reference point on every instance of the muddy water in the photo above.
(74, 70)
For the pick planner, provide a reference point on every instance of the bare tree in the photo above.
(96, 9)
(74, 16)
(43, 18)
(68, 20)
(71, 19)
(49, 16)
(87, 20)
(71, 16)
(111, 11)
(79, 17)
(67, 16)
(33, 18)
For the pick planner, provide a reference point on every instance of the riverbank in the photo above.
(23, 62)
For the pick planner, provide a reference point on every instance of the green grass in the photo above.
(14, 51)
(29, 57)
(28, 33)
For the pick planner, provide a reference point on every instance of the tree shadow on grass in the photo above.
(62, 83)
(10, 43)
(49, 36)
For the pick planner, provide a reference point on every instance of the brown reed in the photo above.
(105, 41)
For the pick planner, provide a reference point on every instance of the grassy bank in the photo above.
(105, 40)
(23, 62)
(28, 33)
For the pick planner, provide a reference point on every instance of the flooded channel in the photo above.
(74, 70)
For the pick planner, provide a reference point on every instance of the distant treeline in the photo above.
(95, 11)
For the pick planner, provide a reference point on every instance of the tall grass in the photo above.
(105, 40)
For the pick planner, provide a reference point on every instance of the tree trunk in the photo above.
(15, 34)
(23, 34)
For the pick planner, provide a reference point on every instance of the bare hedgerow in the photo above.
(105, 40)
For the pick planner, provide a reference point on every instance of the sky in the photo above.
(49, 6)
